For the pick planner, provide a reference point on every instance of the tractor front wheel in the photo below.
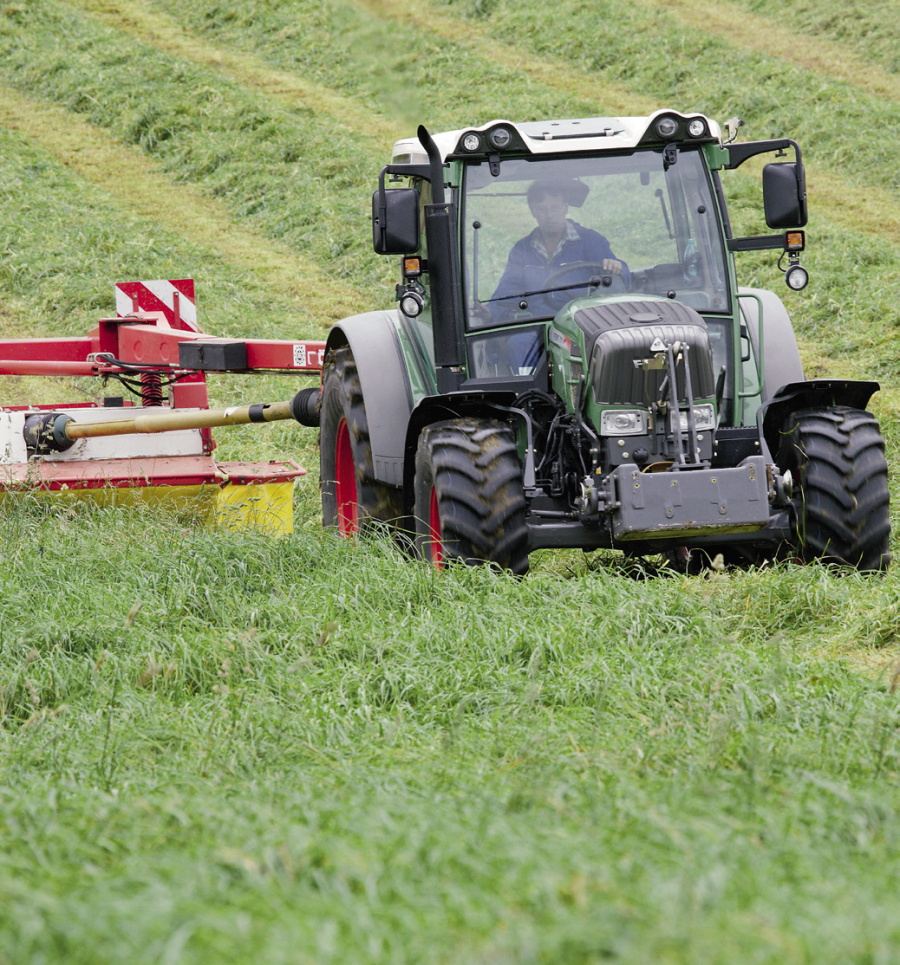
(352, 498)
(841, 511)
(469, 498)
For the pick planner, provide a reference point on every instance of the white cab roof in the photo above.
(553, 137)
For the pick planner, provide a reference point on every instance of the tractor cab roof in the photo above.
(563, 136)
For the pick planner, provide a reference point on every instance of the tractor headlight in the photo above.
(472, 142)
(666, 127)
(696, 128)
(623, 422)
(796, 277)
(704, 417)
(412, 304)
(500, 138)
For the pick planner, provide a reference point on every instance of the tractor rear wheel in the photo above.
(352, 498)
(841, 498)
(469, 498)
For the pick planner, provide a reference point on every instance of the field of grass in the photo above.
(225, 747)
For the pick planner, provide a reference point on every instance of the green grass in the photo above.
(254, 157)
(225, 747)
(868, 30)
(306, 750)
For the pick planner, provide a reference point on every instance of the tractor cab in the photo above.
(553, 217)
(554, 245)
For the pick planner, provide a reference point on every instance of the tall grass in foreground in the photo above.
(220, 746)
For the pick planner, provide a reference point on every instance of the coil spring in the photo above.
(151, 388)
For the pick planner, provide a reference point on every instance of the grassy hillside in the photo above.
(224, 747)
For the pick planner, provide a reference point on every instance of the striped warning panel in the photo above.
(174, 298)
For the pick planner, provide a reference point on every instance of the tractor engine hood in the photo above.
(620, 336)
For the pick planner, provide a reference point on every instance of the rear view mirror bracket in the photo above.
(784, 182)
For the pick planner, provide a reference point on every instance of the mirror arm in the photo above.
(740, 152)
(758, 243)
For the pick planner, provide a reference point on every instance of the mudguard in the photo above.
(451, 405)
(821, 393)
(781, 356)
(375, 343)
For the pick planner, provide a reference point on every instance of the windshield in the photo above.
(546, 231)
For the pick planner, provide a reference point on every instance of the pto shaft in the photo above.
(171, 421)
(47, 432)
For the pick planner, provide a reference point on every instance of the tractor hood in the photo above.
(620, 336)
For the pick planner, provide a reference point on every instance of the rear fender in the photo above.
(781, 356)
(375, 343)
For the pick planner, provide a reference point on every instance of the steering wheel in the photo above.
(595, 278)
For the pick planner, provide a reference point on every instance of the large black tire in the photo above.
(469, 497)
(353, 500)
(841, 498)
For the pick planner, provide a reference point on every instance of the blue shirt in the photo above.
(530, 265)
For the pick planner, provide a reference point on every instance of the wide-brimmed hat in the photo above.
(572, 190)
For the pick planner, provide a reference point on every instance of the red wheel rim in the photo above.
(345, 483)
(435, 537)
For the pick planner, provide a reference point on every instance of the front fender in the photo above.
(436, 408)
(375, 343)
(821, 393)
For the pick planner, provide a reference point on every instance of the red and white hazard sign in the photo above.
(174, 298)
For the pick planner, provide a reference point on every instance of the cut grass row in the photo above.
(838, 41)
(838, 135)
(774, 35)
(138, 187)
(151, 26)
(868, 30)
(284, 172)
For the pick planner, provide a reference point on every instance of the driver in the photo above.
(554, 243)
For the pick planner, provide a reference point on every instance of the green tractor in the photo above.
(573, 364)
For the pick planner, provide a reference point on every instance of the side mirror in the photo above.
(395, 221)
(784, 195)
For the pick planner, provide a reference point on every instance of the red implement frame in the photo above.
(156, 347)
(146, 339)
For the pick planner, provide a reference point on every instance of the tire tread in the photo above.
(842, 501)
